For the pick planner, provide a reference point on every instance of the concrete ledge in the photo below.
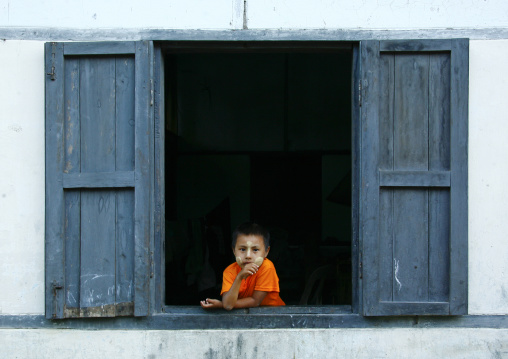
(242, 320)
(116, 34)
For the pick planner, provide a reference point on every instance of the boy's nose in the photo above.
(248, 253)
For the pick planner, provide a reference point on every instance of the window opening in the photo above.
(262, 136)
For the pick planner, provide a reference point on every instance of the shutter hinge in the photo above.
(56, 286)
(360, 93)
(360, 265)
(151, 264)
(151, 92)
(53, 55)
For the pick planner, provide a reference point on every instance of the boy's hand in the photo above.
(248, 270)
(211, 303)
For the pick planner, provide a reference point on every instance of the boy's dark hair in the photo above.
(251, 228)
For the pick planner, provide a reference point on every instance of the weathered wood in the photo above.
(414, 178)
(159, 189)
(439, 160)
(72, 146)
(355, 181)
(439, 112)
(386, 239)
(97, 114)
(125, 144)
(98, 233)
(459, 198)
(98, 179)
(412, 223)
(439, 245)
(410, 122)
(143, 168)
(410, 152)
(386, 157)
(99, 48)
(54, 204)
(369, 191)
(413, 46)
(408, 307)
(124, 110)
(410, 245)
(92, 161)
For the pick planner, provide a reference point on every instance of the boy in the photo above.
(252, 280)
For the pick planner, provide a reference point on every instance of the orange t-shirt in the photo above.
(264, 280)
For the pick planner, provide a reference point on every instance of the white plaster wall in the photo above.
(289, 343)
(22, 177)
(377, 14)
(91, 14)
(488, 177)
(272, 14)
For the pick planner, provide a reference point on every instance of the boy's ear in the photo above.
(267, 250)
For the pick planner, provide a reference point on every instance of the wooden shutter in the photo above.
(413, 187)
(99, 168)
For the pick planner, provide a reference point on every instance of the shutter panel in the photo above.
(99, 168)
(413, 192)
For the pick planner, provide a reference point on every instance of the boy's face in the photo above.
(250, 249)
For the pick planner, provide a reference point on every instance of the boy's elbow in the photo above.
(227, 306)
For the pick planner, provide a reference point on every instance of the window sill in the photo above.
(284, 310)
(198, 319)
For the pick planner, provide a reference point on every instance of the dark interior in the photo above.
(263, 137)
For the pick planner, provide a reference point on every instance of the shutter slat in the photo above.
(100, 48)
(408, 308)
(414, 178)
(412, 45)
(143, 177)
(459, 199)
(98, 179)
(54, 204)
(98, 233)
(72, 165)
(410, 245)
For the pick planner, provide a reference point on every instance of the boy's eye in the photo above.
(242, 249)
(255, 249)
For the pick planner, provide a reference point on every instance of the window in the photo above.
(106, 193)
(263, 136)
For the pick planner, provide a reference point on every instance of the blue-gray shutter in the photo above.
(413, 185)
(99, 172)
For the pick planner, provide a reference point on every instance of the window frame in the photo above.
(164, 47)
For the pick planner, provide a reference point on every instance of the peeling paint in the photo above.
(70, 298)
(396, 263)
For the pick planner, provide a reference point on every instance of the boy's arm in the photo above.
(230, 298)
(251, 302)
(211, 303)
